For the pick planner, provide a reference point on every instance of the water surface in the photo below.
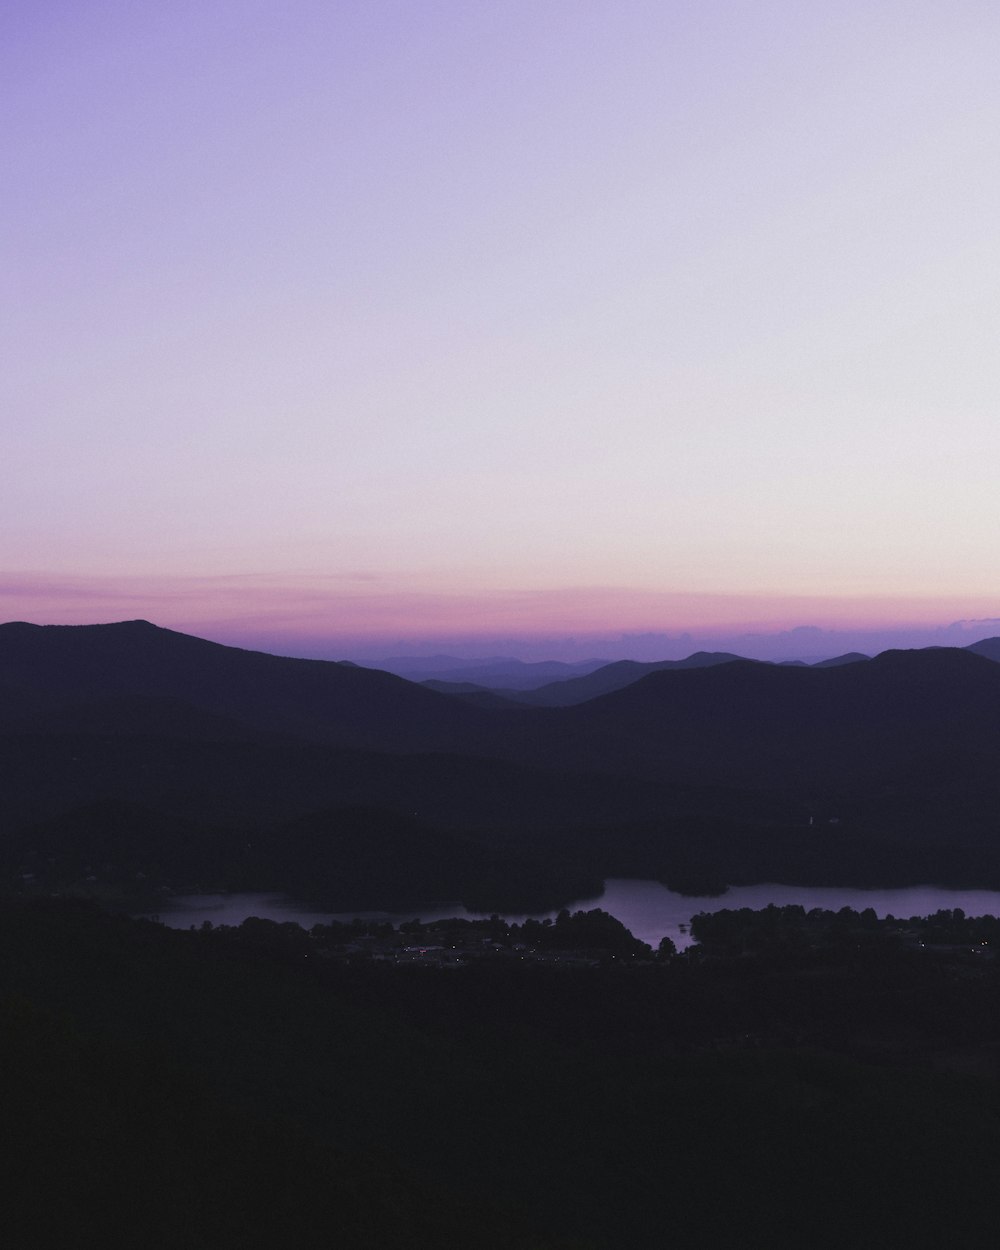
(649, 910)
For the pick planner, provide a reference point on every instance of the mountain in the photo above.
(706, 770)
(988, 647)
(566, 693)
(317, 699)
(213, 753)
(481, 696)
(771, 725)
(855, 774)
(498, 673)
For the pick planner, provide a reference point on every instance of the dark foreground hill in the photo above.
(226, 1090)
(877, 773)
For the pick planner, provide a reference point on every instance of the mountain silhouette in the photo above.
(759, 724)
(495, 673)
(987, 647)
(706, 769)
(318, 699)
(614, 677)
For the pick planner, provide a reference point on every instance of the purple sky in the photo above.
(338, 327)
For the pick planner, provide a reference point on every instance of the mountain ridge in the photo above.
(711, 770)
(341, 704)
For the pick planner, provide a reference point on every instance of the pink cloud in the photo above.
(361, 609)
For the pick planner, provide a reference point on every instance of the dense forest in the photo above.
(793, 1080)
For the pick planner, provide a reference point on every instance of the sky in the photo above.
(553, 327)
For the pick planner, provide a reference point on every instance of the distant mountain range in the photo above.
(614, 676)
(528, 683)
(499, 672)
(135, 757)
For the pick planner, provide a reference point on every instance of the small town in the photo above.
(582, 939)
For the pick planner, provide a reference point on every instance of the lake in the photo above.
(649, 910)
